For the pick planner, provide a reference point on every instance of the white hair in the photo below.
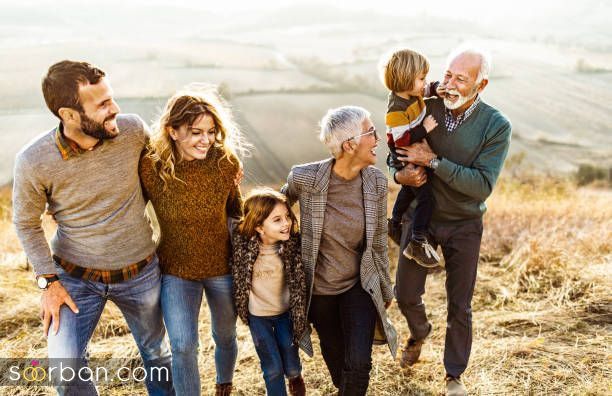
(341, 124)
(485, 59)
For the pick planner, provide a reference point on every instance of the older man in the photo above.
(466, 153)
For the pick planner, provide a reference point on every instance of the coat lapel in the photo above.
(369, 204)
(319, 201)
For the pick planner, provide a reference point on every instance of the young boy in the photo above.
(403, 73)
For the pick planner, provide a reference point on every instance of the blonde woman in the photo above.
(188, 173)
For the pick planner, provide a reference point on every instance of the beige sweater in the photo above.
(269, 294)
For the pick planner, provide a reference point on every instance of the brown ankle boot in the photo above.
(223, 389)
(297, 386)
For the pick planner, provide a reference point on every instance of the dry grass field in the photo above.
(542, 306)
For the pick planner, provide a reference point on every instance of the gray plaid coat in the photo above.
(308, 184)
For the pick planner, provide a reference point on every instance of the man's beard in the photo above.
(96, 129)
(461, 100)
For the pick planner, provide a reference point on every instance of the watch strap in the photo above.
(49, 279)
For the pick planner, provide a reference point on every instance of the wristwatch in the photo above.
(434, 163)
(43, 282)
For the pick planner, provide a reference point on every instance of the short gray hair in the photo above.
(485, 59)
(341, 124)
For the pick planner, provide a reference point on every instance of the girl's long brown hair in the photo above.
(258, 205)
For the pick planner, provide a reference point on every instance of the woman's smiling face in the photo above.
(194, 142)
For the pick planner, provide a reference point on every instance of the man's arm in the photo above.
(29, 201)
(476, 181)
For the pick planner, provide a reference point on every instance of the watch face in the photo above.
(42, 282)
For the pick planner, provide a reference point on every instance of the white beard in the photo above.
(461, 100)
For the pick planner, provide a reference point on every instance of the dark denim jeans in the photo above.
(139, 301)
(345, 324)
(278, 355)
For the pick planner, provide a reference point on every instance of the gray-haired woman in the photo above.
(343, 203)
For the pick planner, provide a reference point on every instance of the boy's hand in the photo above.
(411, 175)
(430, 123)
(441, 90)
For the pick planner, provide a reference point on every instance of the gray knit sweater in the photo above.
(95, 198)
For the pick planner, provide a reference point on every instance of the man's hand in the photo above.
(239, 175)
(51, 301)
(418, 153)
(411, 175)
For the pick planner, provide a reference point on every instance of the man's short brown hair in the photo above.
(60, 85)
(401, 68)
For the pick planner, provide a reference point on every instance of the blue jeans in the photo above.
(345, 324)
(278, 355)
(181, 300)
(138, 300)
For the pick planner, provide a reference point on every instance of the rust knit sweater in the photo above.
(193, 215)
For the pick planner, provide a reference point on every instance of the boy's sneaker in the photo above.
(394, 229)
(423, 253)
(454, 386)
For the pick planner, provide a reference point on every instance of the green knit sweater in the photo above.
(473, 156)
(193, 214)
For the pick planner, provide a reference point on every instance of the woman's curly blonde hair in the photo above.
(184, 108)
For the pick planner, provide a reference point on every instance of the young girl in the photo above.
(270, 287)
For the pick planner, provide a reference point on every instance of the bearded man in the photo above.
(466, 153)
(84, 172)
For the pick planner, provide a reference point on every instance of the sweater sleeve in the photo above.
(234, 203)
(29, 202)
(478, 180)
(143, 169)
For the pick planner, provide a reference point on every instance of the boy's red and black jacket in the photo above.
(404, 118)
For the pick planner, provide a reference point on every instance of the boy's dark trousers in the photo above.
(423, 210)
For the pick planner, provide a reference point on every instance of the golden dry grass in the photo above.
(542, 306)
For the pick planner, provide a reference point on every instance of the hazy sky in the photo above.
(466, 9)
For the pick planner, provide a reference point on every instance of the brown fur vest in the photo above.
(245, 252)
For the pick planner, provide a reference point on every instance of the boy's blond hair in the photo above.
(399, 69)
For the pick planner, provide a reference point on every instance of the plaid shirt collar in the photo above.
(67, 147)
(453, 123)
